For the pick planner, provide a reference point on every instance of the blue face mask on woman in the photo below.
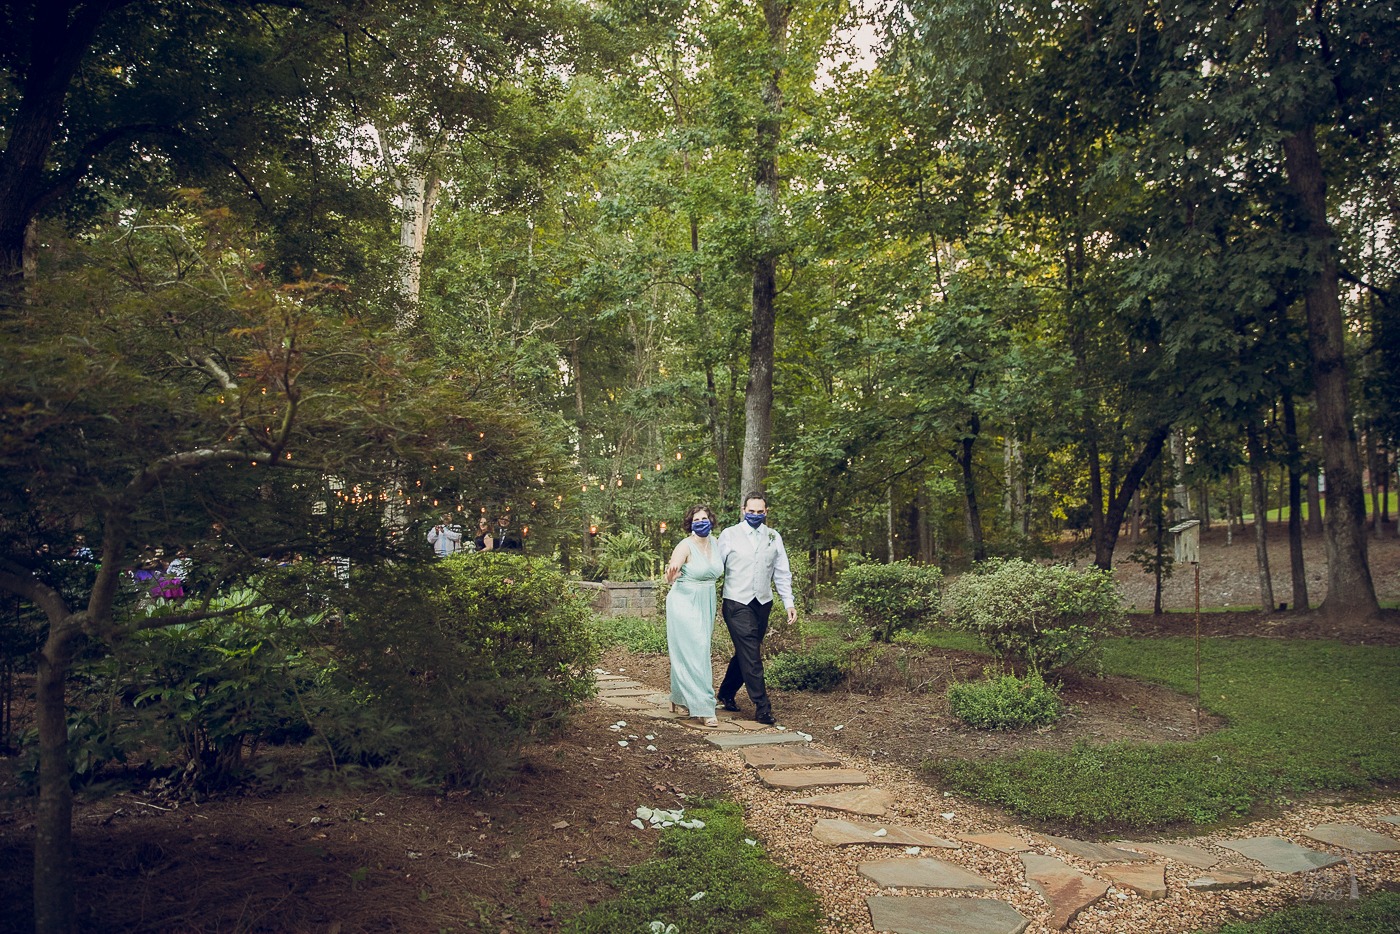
(755, 519)
(701, 527)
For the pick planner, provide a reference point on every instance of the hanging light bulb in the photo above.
(658, 465)
(619, 482)
(678, 455)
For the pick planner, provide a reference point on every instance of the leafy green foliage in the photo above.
(636, 633)
(1005, 702)
(1376, 913)
(744, 891)
(884, 599)
(1303, 716)
(627, 556)
(461, 664)
(819, 668)
(1046, 617)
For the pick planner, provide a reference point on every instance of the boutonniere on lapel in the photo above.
(771, 536)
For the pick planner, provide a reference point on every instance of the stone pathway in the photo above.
(1067, 876)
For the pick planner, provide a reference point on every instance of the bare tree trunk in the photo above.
(925, 533)
(758, 395)
(1351, 594)
(53, 830)
(1205, 506)
(889, 524)
(417, 191)
(1232, 511)
(1135, 520)
(1118, 505)
(1372, 476)
(1179, 492)
(1314, 526)
(1295, 505)
(971, 512)
(1261, 506)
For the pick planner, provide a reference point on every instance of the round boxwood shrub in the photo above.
(1045, 617)
(1005, 703)
(819, 669)
(883, 599)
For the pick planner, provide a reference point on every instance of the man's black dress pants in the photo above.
(747, 624)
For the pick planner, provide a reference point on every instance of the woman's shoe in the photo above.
(710, 722)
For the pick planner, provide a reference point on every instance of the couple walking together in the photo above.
(752, 561)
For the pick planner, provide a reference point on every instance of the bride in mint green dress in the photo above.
(694, 567)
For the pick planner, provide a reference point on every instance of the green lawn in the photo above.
(1303, 715)
(1281, 514)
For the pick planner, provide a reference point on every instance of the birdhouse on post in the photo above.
(1188, 541)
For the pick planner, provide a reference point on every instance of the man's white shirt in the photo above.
(755, 562)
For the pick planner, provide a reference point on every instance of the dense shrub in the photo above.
(1046, 617)
(819, 669)
(436, 675)
(883, 599)
(1005, 703)
(458, 668)
(200, 699)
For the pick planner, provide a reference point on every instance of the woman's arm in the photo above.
(679, 556)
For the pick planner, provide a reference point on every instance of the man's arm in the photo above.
(782, 578)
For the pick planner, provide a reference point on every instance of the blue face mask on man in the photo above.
(701, 527)
(755, 519)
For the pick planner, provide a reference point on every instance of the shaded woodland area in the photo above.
(280, 283)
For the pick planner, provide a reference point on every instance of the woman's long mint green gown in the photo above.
(690, 622)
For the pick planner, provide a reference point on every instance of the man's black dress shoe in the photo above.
(766, 718)
(728, 704)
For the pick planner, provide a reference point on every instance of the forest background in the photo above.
(944, 279)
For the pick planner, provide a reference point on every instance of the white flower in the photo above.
(697, 896)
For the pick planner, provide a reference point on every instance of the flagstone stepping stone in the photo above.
(847, 832)
(788, 757)
(801, 779)
(661, 700)
(1391, 818)
(697, 725)
(1065, 889)
(872, 802)
(1097, 852)
(904, 915)
(1190, 855)
(629, 703)
(733, 741)
(1225, 877)
(996, 840)
(663, 713)
(753, 726)
(638, 691)
(1352, 837)
(923, 873)
(1279, 855)
(1146, 879)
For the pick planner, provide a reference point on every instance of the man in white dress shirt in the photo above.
(755, 562)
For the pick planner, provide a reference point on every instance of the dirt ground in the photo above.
(523, 857)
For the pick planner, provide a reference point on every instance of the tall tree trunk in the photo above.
(417, 195)
(1314, 494)
(1373, 477)
(1232, 498)
(758, 396)
(971, 512)
(1351, 594)
(1261, 507)
(1297, 569)
(719, 440)
(53, 833)
(1118, 505)
(1205, 506)
(889, 524)
(1180, 494)
(1135, 520)
(925, 532)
